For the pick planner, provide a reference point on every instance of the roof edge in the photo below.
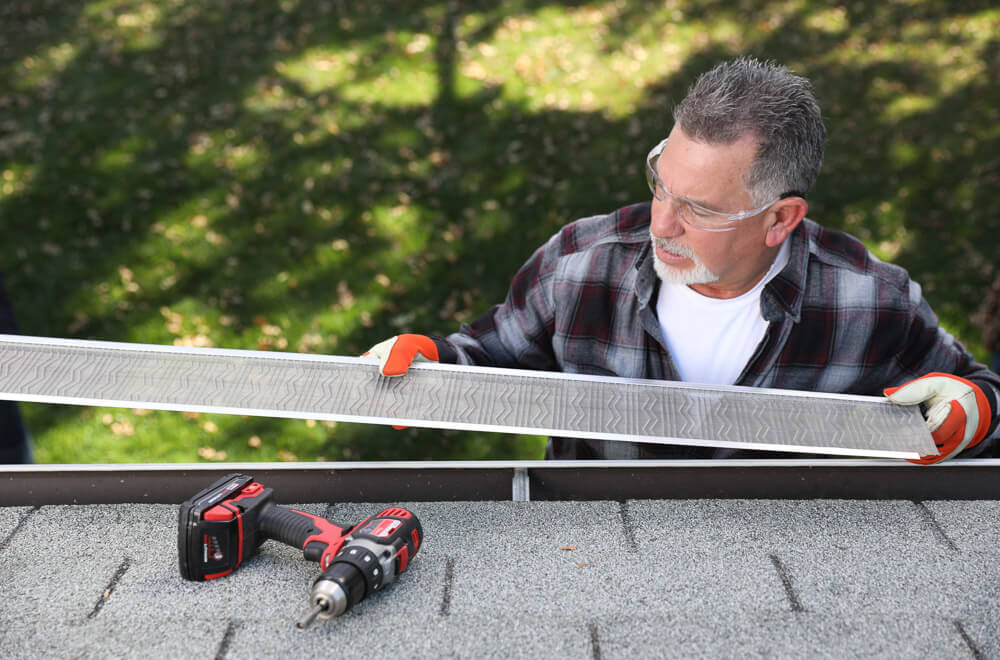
(171, 483)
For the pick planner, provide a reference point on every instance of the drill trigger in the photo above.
(325, 543)
(313, 550)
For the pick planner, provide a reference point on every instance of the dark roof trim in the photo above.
(968, 479)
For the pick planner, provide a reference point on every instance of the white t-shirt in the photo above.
(712, 339)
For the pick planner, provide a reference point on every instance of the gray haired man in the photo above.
(721, 279)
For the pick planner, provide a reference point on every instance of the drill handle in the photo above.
(300, 529)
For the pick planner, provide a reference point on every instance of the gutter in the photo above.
(442, 481)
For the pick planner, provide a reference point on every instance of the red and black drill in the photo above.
(224, 524)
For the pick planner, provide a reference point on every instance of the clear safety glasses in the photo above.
(690, 212)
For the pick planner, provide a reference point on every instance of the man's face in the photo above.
(716, 264)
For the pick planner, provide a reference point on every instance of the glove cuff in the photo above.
(992, 396)
(985, 411)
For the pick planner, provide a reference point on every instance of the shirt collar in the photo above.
(784, 294)
(646, 280)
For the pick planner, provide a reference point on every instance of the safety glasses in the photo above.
(693, 213)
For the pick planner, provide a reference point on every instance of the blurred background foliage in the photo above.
(318, 175)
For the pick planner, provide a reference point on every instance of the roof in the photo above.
(638, 577)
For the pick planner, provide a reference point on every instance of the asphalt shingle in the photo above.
(604, 579)
(972, 527)
(10, 519)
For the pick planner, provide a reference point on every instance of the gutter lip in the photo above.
(608, 464)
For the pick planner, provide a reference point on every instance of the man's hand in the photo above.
(395, 355)
(958, 414)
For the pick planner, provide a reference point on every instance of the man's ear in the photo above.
(785, 216)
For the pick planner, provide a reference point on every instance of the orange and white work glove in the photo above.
(957, 412)
(396, 354)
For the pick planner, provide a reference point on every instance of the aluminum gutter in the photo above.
(425, 481)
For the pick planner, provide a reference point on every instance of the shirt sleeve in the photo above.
(517, 333)
(928, 347)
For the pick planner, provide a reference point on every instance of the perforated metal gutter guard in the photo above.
(455, 397)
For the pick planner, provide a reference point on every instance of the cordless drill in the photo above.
(223, 525)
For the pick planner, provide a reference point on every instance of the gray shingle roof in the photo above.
(644, 578)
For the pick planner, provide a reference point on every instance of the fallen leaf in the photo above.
(123, 427)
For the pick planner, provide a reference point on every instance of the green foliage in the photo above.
(316, 176)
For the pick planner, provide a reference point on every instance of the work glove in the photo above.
(396, 354)
(957, 412)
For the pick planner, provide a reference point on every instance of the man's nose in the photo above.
(665, 222)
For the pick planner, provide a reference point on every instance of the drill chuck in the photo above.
(328, 600)
(338, 589)
(335, 591)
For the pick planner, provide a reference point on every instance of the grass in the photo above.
(317, 176)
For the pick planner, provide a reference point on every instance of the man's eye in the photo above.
(700, 212)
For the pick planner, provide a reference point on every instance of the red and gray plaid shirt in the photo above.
(840, 320)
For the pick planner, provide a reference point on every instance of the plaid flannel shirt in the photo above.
(840, 320)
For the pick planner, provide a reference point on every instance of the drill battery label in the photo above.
(381, 527)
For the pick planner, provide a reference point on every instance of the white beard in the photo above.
(700, 274)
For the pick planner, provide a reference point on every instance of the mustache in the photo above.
(672, 246)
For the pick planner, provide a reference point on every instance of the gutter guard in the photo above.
(338, 388)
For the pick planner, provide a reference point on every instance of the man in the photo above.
(722, 280)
